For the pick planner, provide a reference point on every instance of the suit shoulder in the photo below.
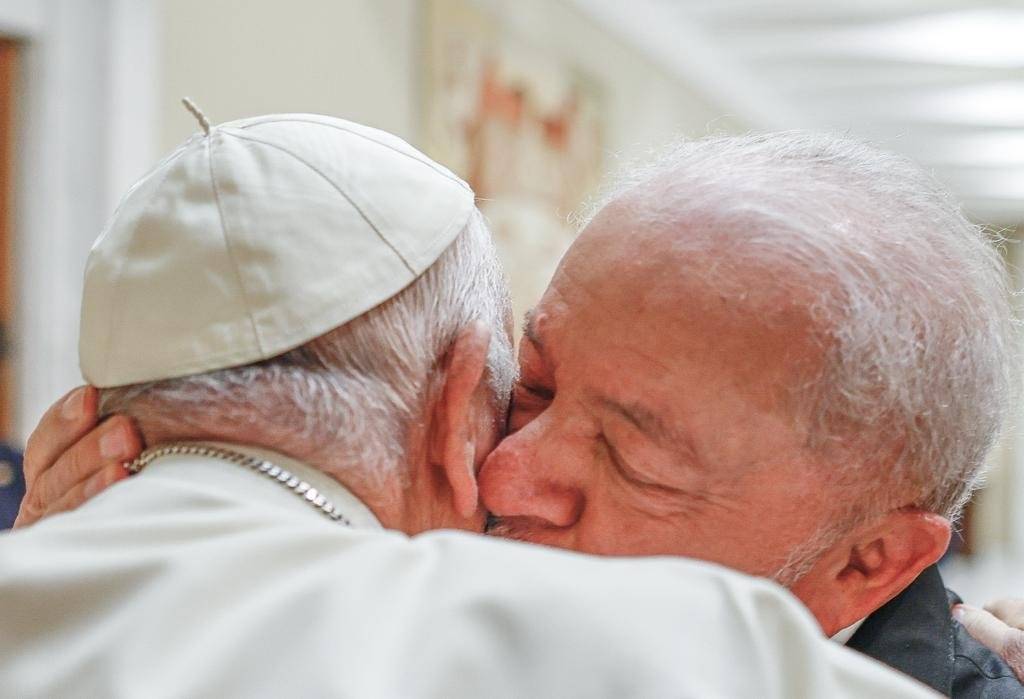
(979, 672)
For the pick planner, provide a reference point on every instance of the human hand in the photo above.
(1000, 626)
(70, 456)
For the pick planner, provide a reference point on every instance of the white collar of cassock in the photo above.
(234, 478)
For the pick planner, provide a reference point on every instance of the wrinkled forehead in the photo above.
(684, 267)
(629, 286)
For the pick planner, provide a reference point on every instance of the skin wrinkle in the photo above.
(679, 441)
(641, 418)
(646, 420)
(659, 364)
(666, 502)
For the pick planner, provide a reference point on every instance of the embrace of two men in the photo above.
(785, 354)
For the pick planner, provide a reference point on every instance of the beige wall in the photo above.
(349, 58)
(359, 59)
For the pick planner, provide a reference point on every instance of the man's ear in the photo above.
(460, 412)
(871, 565)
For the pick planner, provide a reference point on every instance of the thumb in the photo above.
(1009, 610)
(994, 633)
(983, 626)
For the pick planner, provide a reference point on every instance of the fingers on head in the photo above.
(104, 449)
(118, 439)
(64, 423)
(28, 513)
(85, 490)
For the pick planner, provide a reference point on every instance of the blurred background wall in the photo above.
(530, 100)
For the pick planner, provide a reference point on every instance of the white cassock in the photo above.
(199, 578)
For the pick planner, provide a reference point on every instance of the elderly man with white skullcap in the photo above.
(306, 320)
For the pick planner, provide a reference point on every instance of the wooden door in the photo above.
(8, 76)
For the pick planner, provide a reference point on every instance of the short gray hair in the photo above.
(352, 396)
(910, 298)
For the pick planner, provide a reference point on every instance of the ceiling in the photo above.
(941, 80)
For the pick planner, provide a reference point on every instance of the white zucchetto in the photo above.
(257, 237)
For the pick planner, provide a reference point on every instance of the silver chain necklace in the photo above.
(281, 476)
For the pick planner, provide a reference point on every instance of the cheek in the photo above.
(487, 442)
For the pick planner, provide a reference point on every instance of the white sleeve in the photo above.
(532, 622)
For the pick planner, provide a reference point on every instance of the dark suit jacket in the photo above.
(916, 634)
(12, 485)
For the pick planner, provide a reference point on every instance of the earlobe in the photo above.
(465, 492)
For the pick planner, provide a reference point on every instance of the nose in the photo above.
(515, 481)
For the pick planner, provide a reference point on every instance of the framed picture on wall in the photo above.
(522, 126)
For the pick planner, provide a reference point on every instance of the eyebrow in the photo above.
(530, 329)
(656, 428)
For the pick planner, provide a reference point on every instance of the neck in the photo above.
(414, 500)
(395, 504)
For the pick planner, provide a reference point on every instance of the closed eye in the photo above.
(631, 474)
(528, 401)
(538, 392)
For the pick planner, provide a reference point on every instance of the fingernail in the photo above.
(72, 407)
(958, 613)
(113, 445)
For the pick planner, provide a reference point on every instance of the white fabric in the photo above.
(257, 238)
(358, 514)
(843, 636)
(198, 578)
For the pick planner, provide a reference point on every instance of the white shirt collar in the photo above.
(843, 636)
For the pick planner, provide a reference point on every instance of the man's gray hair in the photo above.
(351, 397)
(909, 298)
